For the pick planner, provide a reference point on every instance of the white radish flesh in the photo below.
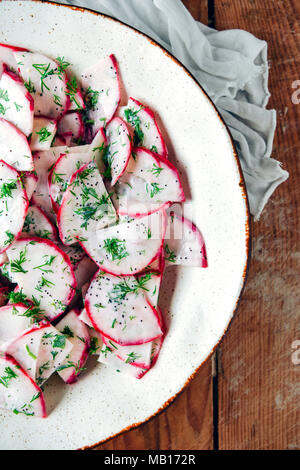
(78, 334)
(85, 207)
(19, 393)
(16, 103)
(65, 167)
(14, 147)
(184, 244)
(144, 127)
(43, 133)
(13, 205)
(102, 91)
(119, 310)
(119, 148)
(149, 183)
(108, 358)
(38, 224)
(129, 247)
(13, 320)
(44, 272)
(46, 81)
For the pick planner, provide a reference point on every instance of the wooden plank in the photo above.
(198, 9)
(259, 385)
(188, 422)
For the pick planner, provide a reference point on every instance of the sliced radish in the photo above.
(108, 358)
(119, 310)
(43, 163)
(151, 284)
(16, 103)
(44, 273)
(59, 177)
(78, 334)
(95, 337)
(13, 205)
(137, 355)
(38, 224)
(13, 320)
(43, 133)
(46, 80)
(184, 244)
(75, 95)
(86, 206)
(40, 350)
(102, 91)
(119, 148)
(19, 392)
(97, 150)
(7, 56)
(30, 181)
(140, 355)
(71, 124)
(145, 130)
(24, 348)
(14, 147)
(127, 248)
(149, 183)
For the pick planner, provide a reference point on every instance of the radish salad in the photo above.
(86, 226)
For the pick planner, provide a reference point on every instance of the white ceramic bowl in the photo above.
(198, 303)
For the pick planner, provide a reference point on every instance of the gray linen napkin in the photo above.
(230, 65)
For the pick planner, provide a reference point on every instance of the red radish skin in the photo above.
(36, 402)
(14, 147)
(9, 231)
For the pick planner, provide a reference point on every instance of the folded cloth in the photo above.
(230, 65)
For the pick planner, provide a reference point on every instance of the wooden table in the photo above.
(252, 400)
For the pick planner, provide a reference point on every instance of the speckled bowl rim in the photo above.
(243, 192)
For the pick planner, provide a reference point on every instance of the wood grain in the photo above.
(259, 387)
